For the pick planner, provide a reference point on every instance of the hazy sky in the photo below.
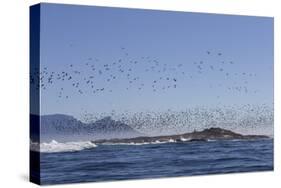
(72, 36)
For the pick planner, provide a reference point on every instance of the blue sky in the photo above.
(236, 54)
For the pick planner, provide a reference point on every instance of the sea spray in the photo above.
(54, 146)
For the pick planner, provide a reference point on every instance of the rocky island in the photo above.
(205, 135)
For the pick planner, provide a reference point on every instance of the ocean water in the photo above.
(124, 162)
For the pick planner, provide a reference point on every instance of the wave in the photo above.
(153, 142)
(54, 146)
(139, 143)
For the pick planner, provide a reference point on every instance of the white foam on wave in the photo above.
(126, 143)
(184, 139)
(140, 143)
(187, 140)
(212, 140)
(54, 146)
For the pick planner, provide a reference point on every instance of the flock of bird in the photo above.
(94, 76)
(248, 119)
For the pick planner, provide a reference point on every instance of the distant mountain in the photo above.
(62, 128)
(205, 135)
(109, 126)
(66, 128)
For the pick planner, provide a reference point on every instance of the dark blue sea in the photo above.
(124, 162)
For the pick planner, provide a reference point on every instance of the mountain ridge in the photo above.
(62, 127)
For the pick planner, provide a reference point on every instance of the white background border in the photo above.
(14, 92)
